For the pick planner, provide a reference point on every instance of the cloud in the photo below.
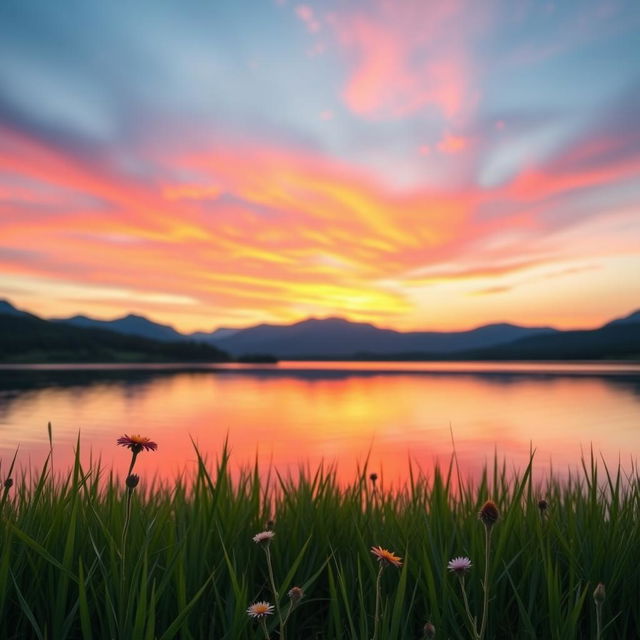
(254, 225)
(405, 57)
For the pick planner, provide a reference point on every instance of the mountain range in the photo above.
(333, 337)
(337, 338)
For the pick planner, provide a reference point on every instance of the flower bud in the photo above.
(8, 483)
(132, 481)
(543, 505)
(489, 514)
(295, 595)
(429, 631)
(373, 477)
(599, 594)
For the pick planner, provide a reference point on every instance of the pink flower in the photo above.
(259, 610)
(264, 537)
(459, 565)
(137, 443)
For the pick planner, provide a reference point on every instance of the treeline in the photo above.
(27, 339)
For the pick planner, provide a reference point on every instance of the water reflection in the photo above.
(295, 416)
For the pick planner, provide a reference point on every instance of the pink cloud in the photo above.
(405, 57)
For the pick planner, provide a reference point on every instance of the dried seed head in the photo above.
(599, 594)
(132, 481)
(489, 514)
(429, 631)
(295, 595)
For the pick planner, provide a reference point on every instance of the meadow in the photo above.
(86, 555)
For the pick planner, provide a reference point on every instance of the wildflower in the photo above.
(459, 565)
(260, 610)
(599, 594)
(137, 443)
(132, 481)
(264, 537)
(386, 557)
(429, 631)
(489, 514)
(295, 594)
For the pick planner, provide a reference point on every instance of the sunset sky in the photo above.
(416, 164)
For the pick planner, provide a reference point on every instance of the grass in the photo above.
(191, 568)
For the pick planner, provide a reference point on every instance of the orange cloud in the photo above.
(268, 233)
(280, 229)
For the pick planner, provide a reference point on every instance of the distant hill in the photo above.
(336, 337)
(213, 336)
(616, 340)
(7, 308)
(131, 324)
(25, 338)
(632, 318)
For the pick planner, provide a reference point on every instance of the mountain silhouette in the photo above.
(25, 338)
(131, 324)
(337, 337)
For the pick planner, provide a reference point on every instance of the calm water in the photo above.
(297, 413)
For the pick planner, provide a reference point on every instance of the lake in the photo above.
(298, 413)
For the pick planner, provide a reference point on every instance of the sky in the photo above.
(418, 165)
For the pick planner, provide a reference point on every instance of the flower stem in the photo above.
(275, 591)
(127, 515)
(125, 531)
(485, 583)
(472, 620)
(264, 628)
(598, 620)
(134, 455)
(288, 614)
(376, 616)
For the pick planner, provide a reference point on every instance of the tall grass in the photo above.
(192, 568)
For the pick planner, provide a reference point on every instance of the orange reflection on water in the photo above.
(290, 418)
